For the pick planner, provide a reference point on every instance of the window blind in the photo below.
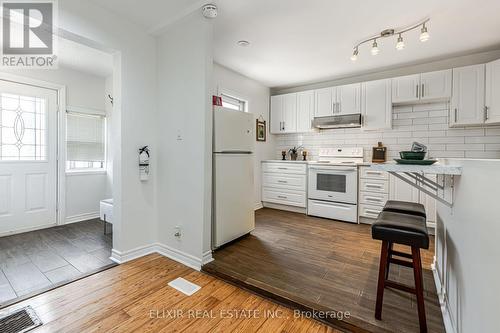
(85, 137)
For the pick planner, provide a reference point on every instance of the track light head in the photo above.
(375, 50)
(424, 35)
(400, 45)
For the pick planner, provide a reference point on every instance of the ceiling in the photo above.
(295, 42)
(83, 58)
(152, 15)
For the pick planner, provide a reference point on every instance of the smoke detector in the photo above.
(209, 11)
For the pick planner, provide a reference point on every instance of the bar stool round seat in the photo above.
(405, 207)
(400, 228)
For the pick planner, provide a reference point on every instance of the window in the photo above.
(85, 142)
(233, 103)
(23, 128)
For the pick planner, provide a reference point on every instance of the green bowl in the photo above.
(412, 155)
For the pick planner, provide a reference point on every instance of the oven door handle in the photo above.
(333, 170)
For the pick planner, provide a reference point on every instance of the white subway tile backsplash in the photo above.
(482, 154)
(469, 146)
(438, 120)
(425, 123)
(493, 131)
(482, 139)
(449, 139)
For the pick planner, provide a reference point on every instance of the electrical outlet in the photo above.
(177, 232)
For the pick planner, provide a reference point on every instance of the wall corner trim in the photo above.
(184, 258)
(448, 323)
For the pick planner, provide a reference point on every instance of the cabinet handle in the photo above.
(417, 91)
(369, 211)
(282, 181)
(333, 107)
(373, 199)
(282, 197)
(283, 168)
(423, 90)
(486, 113)
(283, 126)
(373, 186)
(456, 114)
(374, 173)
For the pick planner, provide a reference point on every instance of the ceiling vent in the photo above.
(209, 11)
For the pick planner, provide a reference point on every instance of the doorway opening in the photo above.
(55, 169)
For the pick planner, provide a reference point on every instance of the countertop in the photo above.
(309, 162)
(437, 168)
(286, 161)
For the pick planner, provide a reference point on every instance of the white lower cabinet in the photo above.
(373, 193)
(400, 190)
(376, 187)
(284, 183)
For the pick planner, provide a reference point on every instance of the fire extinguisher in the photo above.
(144, 163)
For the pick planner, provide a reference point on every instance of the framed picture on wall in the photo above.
(261, 129)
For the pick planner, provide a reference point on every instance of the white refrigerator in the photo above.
(233, 178)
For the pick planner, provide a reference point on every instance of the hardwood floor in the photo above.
(38, 260)
(321, 264)
(135, 297)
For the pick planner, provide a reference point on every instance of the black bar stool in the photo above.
(405, 207)
(407, 229)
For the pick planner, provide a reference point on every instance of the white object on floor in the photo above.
(184, 286)
(106, 210)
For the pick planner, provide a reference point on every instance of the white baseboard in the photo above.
(81, 217)
(169, 252)
(28, 229)
(258, 206)
(448, 324)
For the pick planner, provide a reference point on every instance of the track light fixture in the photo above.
(400, 44)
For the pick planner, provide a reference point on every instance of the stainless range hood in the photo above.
(340, 121)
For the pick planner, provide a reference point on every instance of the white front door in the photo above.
(28, 161)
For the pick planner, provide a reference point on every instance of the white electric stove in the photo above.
(333, 184)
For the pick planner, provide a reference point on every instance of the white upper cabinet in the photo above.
(376, 104)
(305, 111)
(435, 85)
(324, 102)
(406, 89)
(276, 114)
(348, 99)
(492, 111)
(467, 102)
(284, 114)
(422, 87)
(290, 113)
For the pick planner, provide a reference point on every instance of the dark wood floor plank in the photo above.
(329, 264)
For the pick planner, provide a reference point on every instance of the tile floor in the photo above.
(39, 259)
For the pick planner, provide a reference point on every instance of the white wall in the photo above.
(184, 148)
(467, 249)
(424, 123)
(83, 191)
(257, 96)
(134, 114)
